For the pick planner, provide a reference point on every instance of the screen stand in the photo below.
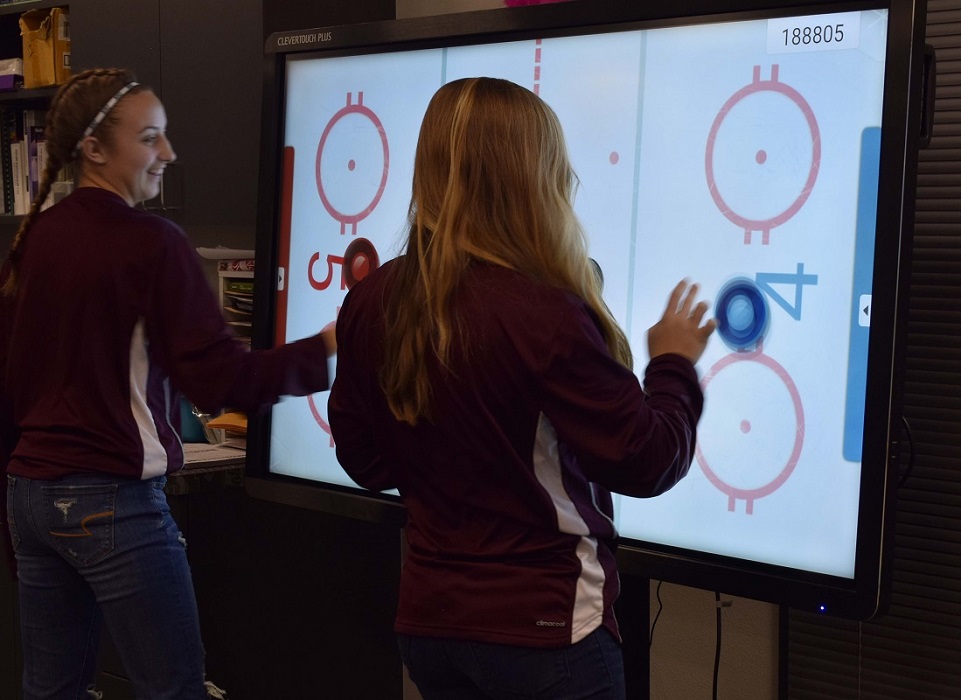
(633, 610)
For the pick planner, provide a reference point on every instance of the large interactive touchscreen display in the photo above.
(741, 154)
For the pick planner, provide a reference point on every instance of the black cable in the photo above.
(717, 646)
(660, 607)
(907, 472)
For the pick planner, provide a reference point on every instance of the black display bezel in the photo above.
(860, 597)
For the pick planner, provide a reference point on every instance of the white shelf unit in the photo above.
(236, 288)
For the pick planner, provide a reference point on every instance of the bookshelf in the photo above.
(34, 98)
(235, 285)
(236, 288)
(10, 43)
(16, 103)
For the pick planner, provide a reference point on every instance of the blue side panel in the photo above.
(861, 293)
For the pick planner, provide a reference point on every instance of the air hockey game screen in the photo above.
(762, 153)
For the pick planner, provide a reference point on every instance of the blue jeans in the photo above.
(453, 669)
(93, 549)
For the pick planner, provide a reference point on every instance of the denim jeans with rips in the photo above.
(92, 550)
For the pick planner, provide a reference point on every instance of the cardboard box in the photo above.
(46, 46)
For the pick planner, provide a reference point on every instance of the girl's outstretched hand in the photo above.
(682, 329)
(330, 339)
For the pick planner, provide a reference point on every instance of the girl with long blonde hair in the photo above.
(482, 375)
(492, 183)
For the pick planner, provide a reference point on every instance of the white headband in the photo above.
(101, 115)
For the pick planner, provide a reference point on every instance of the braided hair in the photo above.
(72, 111)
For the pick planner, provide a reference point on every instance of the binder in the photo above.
(32, 119)
(8, 134)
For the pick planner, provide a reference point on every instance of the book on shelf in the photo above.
(31, 132)
(37, 157)
(20, 175)
(8, 134)
(22, 157)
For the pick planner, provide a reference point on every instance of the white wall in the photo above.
(682, 653)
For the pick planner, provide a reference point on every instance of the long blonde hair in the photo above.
(492, 182)
(71, 111)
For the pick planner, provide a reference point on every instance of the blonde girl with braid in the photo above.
(482, 375)
(105, 317)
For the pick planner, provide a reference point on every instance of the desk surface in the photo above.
(201, 454)
(208, 468)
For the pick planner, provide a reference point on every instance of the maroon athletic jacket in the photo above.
(113, 318)
(510, 517)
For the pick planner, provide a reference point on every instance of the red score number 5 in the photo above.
(359, 260)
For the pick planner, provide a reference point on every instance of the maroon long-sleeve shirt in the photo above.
(113, 318)
(510, 516)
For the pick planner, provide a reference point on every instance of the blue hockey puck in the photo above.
(741, 313)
